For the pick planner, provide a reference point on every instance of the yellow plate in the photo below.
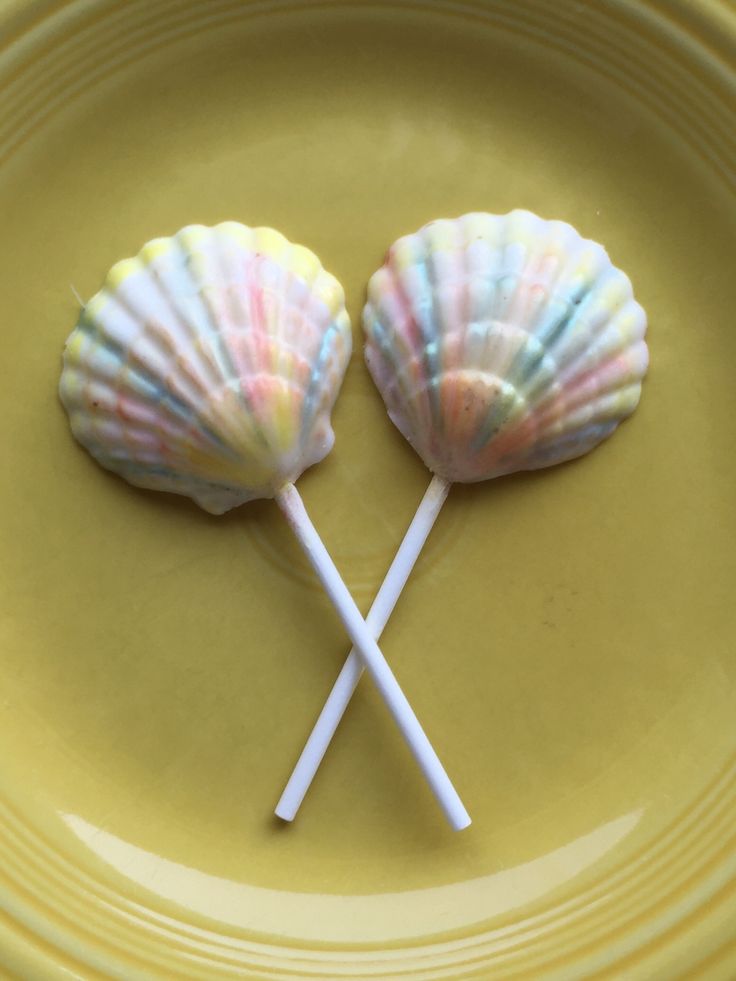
(568, 638)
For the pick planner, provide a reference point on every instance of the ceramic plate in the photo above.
(568, 638)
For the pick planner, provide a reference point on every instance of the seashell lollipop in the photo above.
(208, 366)
(498, 343)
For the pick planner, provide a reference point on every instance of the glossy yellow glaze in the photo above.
(568, 637)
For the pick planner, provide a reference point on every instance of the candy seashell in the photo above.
(209, 364)
(503, 343)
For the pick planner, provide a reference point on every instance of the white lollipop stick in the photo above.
(352, 671)
(363, 638)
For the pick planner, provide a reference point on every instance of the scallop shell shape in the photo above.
(208, 365)
(503, 343)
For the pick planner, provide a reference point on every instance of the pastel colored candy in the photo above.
(503, 343)
(208, 365)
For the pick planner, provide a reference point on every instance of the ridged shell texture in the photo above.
(209, 364)
(503, 343)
